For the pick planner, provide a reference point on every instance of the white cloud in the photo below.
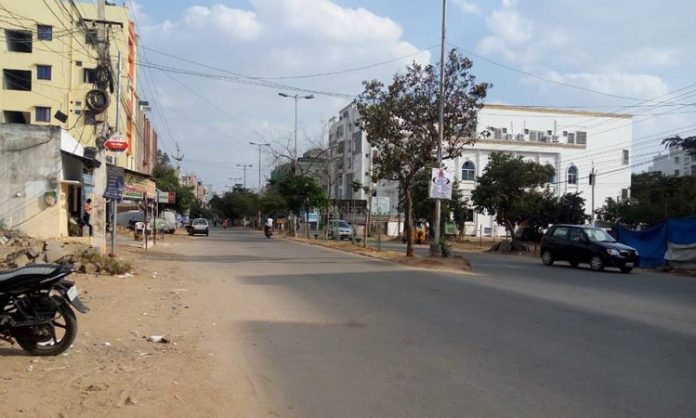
(509, 31)
(467, 6)
(644, 86)
(269, 38)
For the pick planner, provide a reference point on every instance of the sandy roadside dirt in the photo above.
(112, 370)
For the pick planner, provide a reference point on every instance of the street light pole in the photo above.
(295, 157)
(296, 97)
(434, 246)
(244, 167)
(260, 146)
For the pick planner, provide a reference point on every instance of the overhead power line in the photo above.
(549, 80)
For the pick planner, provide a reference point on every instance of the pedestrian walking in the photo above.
(87, 215)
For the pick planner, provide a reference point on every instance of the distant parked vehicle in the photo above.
(419, 232)
(199, 226)
(169, 217)
(340, 230)
(584, 244)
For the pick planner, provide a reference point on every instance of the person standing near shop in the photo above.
(87, 215)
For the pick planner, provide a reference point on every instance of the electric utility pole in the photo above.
(435, 244)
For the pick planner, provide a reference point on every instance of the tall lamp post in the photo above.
(244, 167)
(294, 160)
(296, 97)
(260, 146)
(234, 180)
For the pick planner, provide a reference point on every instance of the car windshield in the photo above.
(599, 235)
(199, 222)
(343, 225)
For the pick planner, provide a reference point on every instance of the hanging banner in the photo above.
(114, 182)
(441, 183)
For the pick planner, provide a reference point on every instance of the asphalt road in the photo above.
(304, 331)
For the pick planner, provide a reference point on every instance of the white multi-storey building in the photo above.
(573, 142)
(350, 153)
(676, 162)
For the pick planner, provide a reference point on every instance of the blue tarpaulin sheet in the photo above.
(652, 243)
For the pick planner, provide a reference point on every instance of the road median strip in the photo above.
(455, 263)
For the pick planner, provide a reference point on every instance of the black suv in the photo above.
(584, 244)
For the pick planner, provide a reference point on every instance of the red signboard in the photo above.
(116, 143)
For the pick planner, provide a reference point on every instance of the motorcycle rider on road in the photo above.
(268, 228)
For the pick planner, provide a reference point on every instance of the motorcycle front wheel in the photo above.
(50, 339)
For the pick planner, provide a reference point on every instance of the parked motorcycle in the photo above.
(267, 231)
(36, 311)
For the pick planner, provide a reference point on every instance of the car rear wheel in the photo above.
(596, 263)
(547, 258)
(626, 269)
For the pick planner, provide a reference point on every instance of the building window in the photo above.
(624, 194)
(43, 72)
(693, 170)
(44, 32)
(78, 63)
(468, 171)
(581, 138)
(18, 40)
(469, 215)
(43, 114)
(571, 137)
(624, 159)
(17, 80)
(572, 175)
(78, 111)
(676, 172)
(89, 75)
(12, 116)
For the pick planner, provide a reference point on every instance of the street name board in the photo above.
(114, 182)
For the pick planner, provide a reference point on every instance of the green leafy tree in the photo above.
(166, 179)
(547, 208)
(654, 198)
(237, 204)
(401, 121)
(424, 207)
(688, 144)
(301, 193)
(507, 189)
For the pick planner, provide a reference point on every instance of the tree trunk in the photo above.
(408, 224)
(306, 224)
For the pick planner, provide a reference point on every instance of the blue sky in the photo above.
(638, 49)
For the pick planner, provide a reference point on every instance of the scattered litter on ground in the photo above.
(158, 339)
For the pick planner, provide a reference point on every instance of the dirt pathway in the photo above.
(112, 370)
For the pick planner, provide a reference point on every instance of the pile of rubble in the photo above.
(18, 250)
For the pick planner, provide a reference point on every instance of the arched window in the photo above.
(572, 175)
(468, 171)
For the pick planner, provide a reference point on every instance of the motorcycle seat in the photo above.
(30, 271)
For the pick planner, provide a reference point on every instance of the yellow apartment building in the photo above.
(48, 63)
